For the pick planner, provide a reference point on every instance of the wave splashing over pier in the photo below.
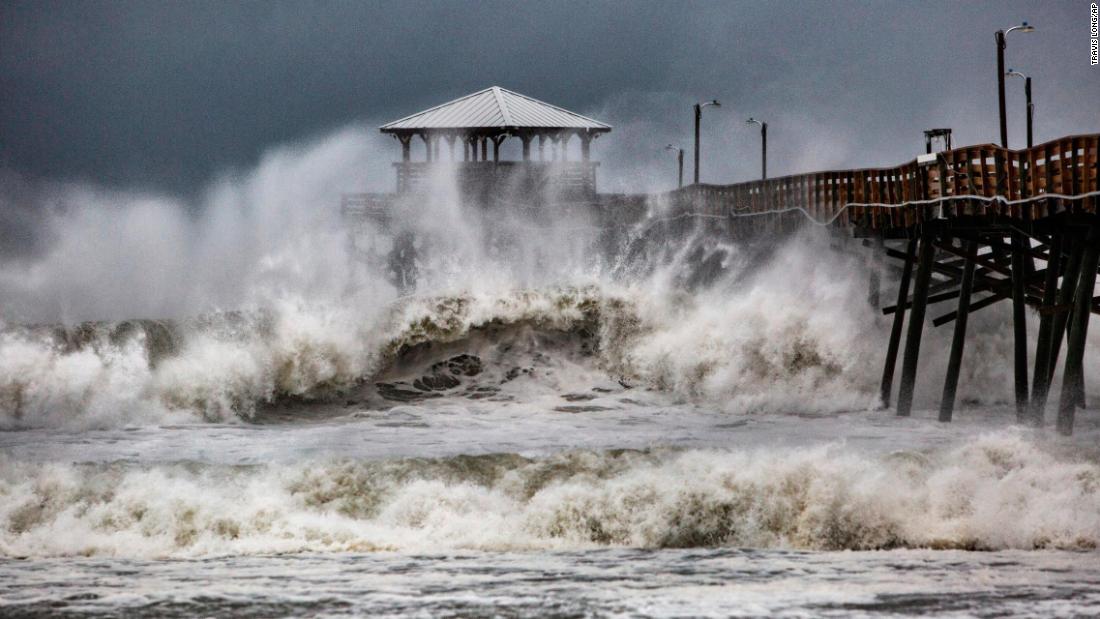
(710, 345)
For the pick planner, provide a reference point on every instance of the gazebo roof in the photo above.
(494, 108)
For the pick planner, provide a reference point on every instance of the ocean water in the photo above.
(551, 423)
(442, 509)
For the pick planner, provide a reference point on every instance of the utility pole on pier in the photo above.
(763, 147)
(1001, 34)
(698, 116)
(1030, 105)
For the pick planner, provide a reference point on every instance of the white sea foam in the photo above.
(1001, 491)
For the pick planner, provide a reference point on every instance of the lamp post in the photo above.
(698, 115)
(1030, 105)
(763, 147)
(1001, 34)
(679, 163)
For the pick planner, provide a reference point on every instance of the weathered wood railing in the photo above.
(867, 199)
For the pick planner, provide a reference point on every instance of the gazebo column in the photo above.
(565, 137)
(484, 149)
(586, 146)
(526, 138)
(542, 147)
(427, 146)
(406, 147)
(451, 145)
(497, 139)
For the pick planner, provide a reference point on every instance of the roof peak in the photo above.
(494, 107)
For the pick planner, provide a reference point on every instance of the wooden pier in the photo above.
(1021, 226)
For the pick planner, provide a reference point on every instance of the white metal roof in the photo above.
(495, 107)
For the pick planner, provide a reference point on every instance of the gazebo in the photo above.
(489, 117)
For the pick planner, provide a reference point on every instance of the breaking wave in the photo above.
(229, 366)
(226, 366)
(1000, 491)
(795, 335)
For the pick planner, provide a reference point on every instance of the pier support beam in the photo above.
(1065, 300)
(1040, 381)
(916, 321)
(1019, 323)
(1073, 375)
(895, 330)
(958, 338)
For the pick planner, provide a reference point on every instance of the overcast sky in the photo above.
(166, 95)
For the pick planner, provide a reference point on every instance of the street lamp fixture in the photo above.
(1000, 35)
(763, 146)
(698, 115)
(679, 163)
(1030, 105)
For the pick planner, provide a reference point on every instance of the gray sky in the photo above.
(166, 95)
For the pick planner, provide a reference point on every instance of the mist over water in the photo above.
(252, 239)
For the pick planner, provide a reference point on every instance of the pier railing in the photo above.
(949, 183)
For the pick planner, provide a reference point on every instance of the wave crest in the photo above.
(1001, 491)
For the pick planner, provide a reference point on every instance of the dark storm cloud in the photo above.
(167, 94)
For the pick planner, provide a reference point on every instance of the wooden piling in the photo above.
(1040, 381)
(916, 321)
(1019, 323)
(1075, 346)
(1065, 300)
(895, 329)
(958, 338)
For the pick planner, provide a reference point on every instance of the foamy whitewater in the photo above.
(232, 407)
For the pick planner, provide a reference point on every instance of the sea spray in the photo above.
(776, 327)
(755, 344)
